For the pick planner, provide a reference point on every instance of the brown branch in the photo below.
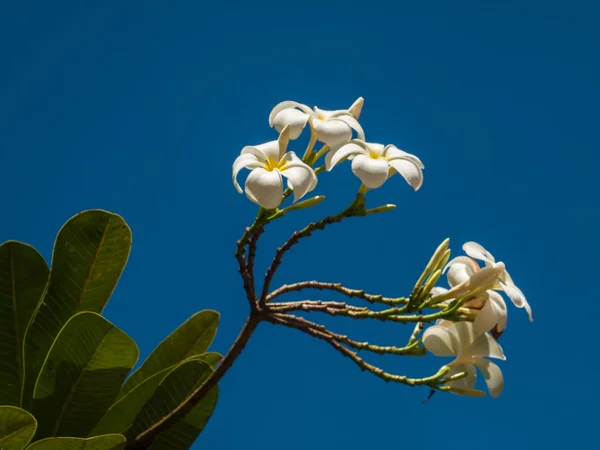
(410, 349)
(247, 280)
(356, 208)
(322, 334)
(312, 305)
(336, 287)
(145, 439)
(250, 259)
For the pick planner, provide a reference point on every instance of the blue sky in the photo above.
(141, 107)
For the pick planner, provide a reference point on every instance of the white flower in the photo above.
(470, 349)
(333, 128)
(492, 314)
(268, 162)
(462, 267)
(375, 163)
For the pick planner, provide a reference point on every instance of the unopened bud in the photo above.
(466, 391)
(304, 204)
(435, 262)
(380, 209)
(435, 276)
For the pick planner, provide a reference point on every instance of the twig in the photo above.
(392, 314)
(381, 350)
(431, 381)
(336, 287)
(415, 334)
(312, 305)
(251, 257)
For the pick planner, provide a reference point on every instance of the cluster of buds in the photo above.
(465, 320)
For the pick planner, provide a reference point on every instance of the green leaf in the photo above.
(82, 375)
(17, 428)
(23, 277)
(90, 253)
(107, 442)
(175, 388)
(190, 339)
(122, 413)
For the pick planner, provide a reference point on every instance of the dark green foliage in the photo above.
(64, 363)
(190, 339)
(23, 276)
(17, 428)
(108, 442)
(90, 253)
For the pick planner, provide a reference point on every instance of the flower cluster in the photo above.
(467, 318)
(470, 342)
(372, 163)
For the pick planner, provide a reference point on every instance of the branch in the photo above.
(145, 439)
(393, 314)
(336, 287)
(320, 333)
(356, 208)
(250, 260)
(312, 305)
(411, 349)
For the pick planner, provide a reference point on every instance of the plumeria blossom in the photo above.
(373, 163)
(333, 128)
(463, 267)
(470, 350)
(491, 310)
(268, 162)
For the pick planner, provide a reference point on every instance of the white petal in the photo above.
(393, 152)
(333, 157)
(464, 333)
(411, 173)
(458, 273)
(301, 177)
(372, 172)
(294, 118)
(323, 114)
(356, 107)
(501, 310)
(265, 187)
(515, 294)
(486, 278)
(352, 123)
(246, 161)
(465, 383)
(474, 250)
(440, 341)
(473, 266)
(485, 345)
(486, 318)
(334, 133)
(285, 105)
(492, 374)
(268, 152)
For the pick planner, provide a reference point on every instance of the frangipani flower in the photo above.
(491, 311)
(268, 162)
(375, 163)
(463, 267)
(470, 349)
(333, 128)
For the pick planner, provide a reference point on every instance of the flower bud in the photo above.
(380, 209)
(302, 205)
